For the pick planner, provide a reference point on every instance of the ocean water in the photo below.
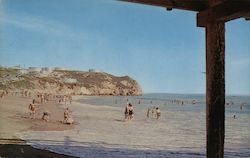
(180, 132)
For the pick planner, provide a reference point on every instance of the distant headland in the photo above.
(60, 80)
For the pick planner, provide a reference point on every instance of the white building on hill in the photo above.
(35, 69)
(60, 68)
(23, 71)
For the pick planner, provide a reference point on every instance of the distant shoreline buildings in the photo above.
(44, 70)
(41, 70)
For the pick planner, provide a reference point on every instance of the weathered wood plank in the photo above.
(224, 11)
(215, 84)
(247, 16)
(215, 89)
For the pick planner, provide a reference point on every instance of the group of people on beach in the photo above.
(154, 111)
(129, 112)
(46, 115)
(42, 98)
(64, 99)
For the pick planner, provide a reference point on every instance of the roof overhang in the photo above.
(192, 5)
(222, 10)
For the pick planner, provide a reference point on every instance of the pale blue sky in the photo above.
(164, 51)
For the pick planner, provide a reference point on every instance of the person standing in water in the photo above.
(126, 113)
(130, 111)
(158, 113)
(148, 112)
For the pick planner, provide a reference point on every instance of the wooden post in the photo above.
(215, 88)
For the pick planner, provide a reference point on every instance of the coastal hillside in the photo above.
(49, 80)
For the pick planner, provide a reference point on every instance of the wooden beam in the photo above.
(192, 5)
(224, 11)
(247, 16)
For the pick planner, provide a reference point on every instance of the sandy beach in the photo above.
(100, 129)
(15, 118)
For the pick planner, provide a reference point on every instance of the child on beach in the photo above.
(67, 117)
(32, 110)
(45, 116)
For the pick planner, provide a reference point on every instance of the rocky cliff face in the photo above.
(69, 82)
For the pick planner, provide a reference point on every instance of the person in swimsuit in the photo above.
(32, 110)
(46, 116)
(67, 117)
(130, 111)
(126, 113)
(158, 113)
